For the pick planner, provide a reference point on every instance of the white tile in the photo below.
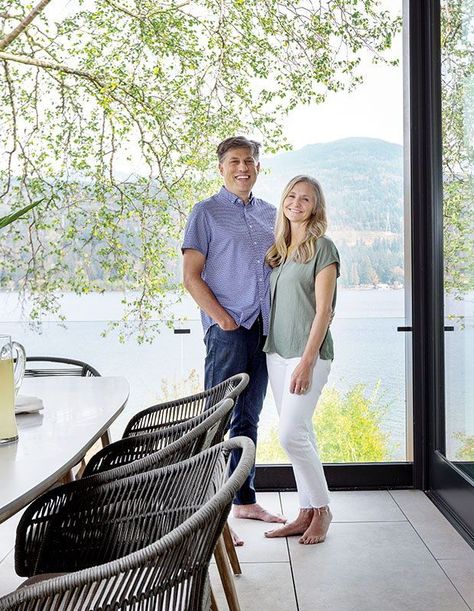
(257, 548)
(353, 506)
(461, 572)
(9, 580)
(441, 538)
(262, 587)
(8, 534)
(371, 566)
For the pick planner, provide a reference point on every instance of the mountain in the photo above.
(362, 179)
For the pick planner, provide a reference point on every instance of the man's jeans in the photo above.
(229, 353)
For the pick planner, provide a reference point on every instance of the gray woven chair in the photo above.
(153, 420)
(151, 538)
(47, 366)
(174, 412)
(27, 546)
(205, 426)
(180, 410)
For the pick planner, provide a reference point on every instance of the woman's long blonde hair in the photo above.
(315, 228)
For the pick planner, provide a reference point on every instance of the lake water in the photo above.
(367, 347)
(368, 350)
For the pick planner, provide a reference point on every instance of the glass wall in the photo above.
(457, 73)
(353, 143)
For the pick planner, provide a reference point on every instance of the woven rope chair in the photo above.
(195, 434)
(174, 412)
(28, 545)
(180, 410)
(151, 539)
(205, 427)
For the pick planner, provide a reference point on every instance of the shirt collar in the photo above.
(226, 196)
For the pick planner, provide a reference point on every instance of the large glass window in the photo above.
(457, 26)
(353, 143)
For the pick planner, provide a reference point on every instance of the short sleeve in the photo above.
(197, 234)
(326, 254)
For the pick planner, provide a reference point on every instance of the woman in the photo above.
(299, 345)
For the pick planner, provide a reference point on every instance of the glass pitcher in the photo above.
(11, 376)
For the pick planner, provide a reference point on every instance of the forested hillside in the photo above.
(362, 179)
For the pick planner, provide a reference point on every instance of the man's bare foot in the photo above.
(255, 512)
(317, 530)
(236, 540)
(297, 527)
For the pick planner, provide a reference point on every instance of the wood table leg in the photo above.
(69, 477)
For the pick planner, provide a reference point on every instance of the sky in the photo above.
(374, 109)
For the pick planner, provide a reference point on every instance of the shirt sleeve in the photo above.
(326, 254)
(197, 234)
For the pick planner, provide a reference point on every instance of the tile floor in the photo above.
(387, 551)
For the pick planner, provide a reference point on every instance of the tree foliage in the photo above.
(457, 45)
(113, 108)
(348, 429)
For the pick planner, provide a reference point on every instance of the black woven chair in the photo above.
(173, 412)
(151, 539)
(47, 366)
(58, 366)
(204, 429)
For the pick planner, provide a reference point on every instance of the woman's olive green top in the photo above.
(294, 304)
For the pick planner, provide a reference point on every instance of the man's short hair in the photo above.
(238, 142)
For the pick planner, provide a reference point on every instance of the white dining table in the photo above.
(77, 412)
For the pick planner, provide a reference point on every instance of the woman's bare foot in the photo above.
(317, 530)
(255, 512)
(297, 527)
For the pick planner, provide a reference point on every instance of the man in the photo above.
(224, 269)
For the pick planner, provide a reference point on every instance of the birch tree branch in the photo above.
(41, 63)
(21, 27)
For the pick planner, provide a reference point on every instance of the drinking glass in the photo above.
(10, 379)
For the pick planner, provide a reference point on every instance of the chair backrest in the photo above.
(173, 412)
(152, 536)
(47, 366)
(201, 432)
(29, 541)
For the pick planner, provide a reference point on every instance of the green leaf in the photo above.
(11, 218)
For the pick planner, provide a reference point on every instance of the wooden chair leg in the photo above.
(230, 548)
(214, 606)
(227, 578)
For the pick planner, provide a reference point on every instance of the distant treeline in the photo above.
(380, 262)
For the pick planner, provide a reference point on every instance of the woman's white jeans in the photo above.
(296, 428)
